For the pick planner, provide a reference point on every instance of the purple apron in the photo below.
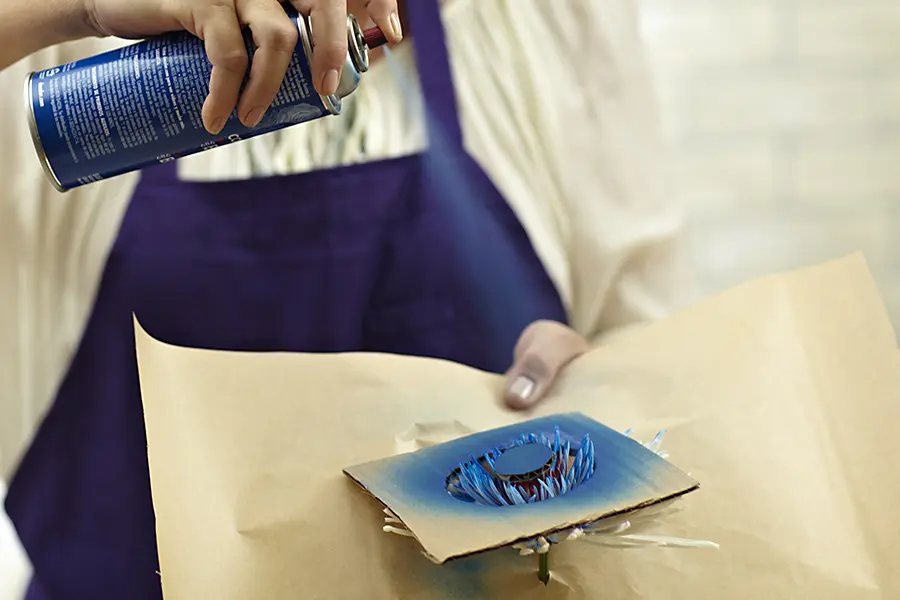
(373, 257)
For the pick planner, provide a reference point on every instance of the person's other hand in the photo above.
(219, 24)
(543, 350)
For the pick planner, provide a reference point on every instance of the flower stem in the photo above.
(544, 567)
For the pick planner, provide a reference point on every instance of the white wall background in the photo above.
(783, 117)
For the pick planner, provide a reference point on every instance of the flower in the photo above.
(479, 480)
(618, 531)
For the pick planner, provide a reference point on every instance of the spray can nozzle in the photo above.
(374, 37)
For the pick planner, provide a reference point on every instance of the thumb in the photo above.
(544, 348)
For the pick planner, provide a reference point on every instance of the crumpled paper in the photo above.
(424, 435)
(780, 396)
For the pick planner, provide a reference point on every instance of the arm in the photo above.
(626, 243)
(599, 138)
(562, 117)
(28, 26)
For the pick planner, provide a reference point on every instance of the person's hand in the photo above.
(219, 24)
(543, 350)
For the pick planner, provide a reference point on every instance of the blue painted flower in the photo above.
(488, 481)
(485, 481)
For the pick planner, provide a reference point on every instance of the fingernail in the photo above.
(522, 388)
(255, 116)
(330, 82)
(217, 125)
(395, 27)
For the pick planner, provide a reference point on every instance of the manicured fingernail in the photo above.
(395, 27)
(255, 116)
(522, 388)
(330, 82)
(217, 125)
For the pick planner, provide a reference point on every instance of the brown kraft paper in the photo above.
(781, 396)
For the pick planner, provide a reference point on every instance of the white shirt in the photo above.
(555, 106)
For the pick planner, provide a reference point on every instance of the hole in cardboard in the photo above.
(530, 469)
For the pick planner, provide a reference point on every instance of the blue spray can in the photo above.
(123, 110)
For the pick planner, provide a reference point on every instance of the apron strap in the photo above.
(164, 173)
(435, 76)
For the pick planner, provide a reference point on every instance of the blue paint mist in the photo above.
(493, 273)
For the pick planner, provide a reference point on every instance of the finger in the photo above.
(217, 24)
(387, 18)
(544, 348)
(328, 19)
(275, 37)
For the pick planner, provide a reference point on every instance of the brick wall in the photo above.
(783, 119)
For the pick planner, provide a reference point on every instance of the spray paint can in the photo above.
(123, 110)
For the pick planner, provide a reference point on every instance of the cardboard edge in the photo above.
(503, 544)
(569, 525)
(371, 494)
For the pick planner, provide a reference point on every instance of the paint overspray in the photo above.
(485, 256)
(492, 268)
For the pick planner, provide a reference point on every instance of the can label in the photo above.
(123, 110)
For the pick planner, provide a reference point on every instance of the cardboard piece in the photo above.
(780, 396)
(628, 477)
